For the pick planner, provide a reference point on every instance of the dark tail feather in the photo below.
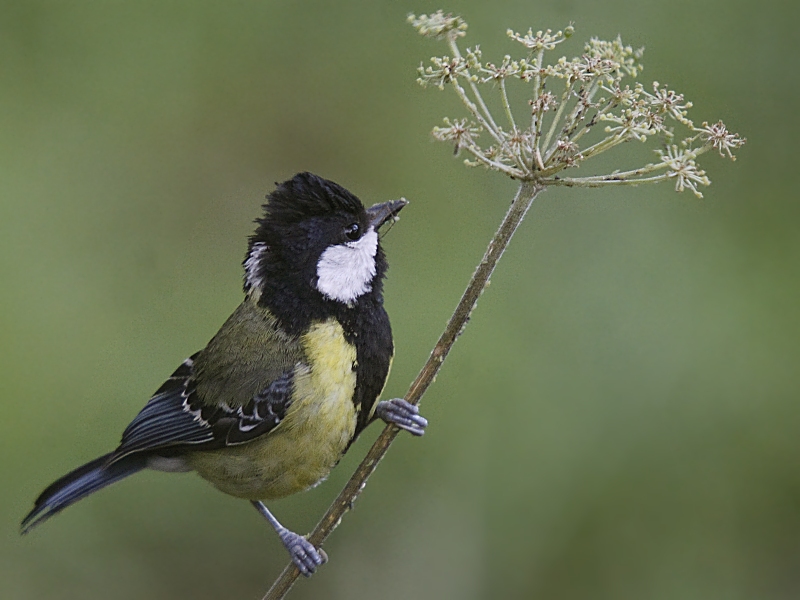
(78, 484)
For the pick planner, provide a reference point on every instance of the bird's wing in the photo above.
(175, 416)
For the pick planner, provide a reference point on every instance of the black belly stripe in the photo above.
(365, 325)
(371, 333)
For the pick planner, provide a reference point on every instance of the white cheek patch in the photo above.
(251, 265)
(345, 272)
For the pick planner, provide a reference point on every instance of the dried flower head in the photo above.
(568, 99)
(439, 25)
(718, 136)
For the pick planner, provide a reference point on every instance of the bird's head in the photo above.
(316, 241)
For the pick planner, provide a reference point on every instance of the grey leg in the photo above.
(401, 413)
(305, 557)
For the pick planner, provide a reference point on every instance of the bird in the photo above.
(289, 381)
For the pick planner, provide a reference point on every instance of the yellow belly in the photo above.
(301, 451)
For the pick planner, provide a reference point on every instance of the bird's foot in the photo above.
(304, 556)
(403, 414)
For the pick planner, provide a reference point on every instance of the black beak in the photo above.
(380, 213)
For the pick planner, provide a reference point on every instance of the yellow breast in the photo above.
(304, 447)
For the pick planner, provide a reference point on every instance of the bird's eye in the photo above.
(353, 231)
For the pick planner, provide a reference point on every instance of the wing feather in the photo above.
(175, 417)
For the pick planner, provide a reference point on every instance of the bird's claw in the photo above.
(403, 414)
(304, 556)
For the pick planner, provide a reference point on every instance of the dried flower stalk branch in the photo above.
(591, 93)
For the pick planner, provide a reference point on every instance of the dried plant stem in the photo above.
(557, 118)
(528, 190)
(507, 106)
(491, 126)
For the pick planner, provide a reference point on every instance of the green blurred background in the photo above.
(620, 419)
